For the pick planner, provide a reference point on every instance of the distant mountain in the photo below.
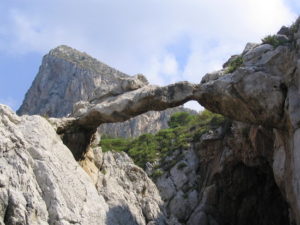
(67, 76)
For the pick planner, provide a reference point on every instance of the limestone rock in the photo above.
(263, 91)
(178, 185)
(251, 167)
(126, 186)
(41, 182)
(67, 76)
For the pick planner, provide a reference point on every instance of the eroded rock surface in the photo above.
(263, 90)
(225, 177)
(250, 175)
(179, 185)
(67, 76)
(122, 183)
(41, 183)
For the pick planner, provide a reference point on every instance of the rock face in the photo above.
(123, 184)
(225, 177)
(178, 187)
(67, 76)
(246, 174)
(263, 91)
(41, 183)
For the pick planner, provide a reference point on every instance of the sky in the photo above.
(166, 40)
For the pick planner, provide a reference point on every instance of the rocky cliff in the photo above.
(225, 177)
(245, 173)
(258, 87)
(67, 76)
(41, 183)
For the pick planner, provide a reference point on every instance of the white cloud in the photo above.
(169, 65)
(134, 36)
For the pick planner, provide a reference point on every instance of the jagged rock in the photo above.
(123, 184)
(263, 91)
(41, 183)
(242, 90)
(178, 186)
(166, 187)
(236, 170)
(284, 31)
(67, 76)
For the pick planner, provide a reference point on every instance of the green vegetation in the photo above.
(184, 128)
(273, 40)
(234, 64)
(157, 173)
(180, 119)
(116, 144)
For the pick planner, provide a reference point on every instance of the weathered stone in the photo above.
(235, 176)
(126, 186)
(179, 206)
(43, 183)
(67, 76)
(249, 46)
(166, 187)
(284, 31)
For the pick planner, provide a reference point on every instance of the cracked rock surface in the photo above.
(67, 76)
(263, 92)
(41, 183)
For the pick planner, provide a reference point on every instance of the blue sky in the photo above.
(167, 40)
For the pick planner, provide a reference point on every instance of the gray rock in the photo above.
(68, 76)
(179, 206)
(284, 31)
(198, 218)
(249, 47)
(125, 185)
(177, 186)
(252, 56)
(166, 187)
(41, 181)
(282, 38)
(237, 168)
(178, 176)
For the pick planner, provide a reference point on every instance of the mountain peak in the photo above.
(77, 57)
(67, 76)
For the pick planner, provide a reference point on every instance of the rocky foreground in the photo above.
(245, 174)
